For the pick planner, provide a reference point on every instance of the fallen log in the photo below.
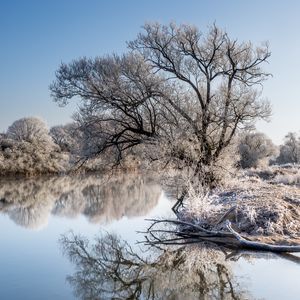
(187, 232)
(258, 246)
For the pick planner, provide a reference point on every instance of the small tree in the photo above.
(255, 147)
(290, 150)
(176, 83)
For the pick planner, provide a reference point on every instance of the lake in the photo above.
(75, 237)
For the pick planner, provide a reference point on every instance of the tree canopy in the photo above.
(185, 92)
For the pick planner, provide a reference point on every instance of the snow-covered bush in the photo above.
(28, 149)
(200, 205)
(288, 179)
(26, 158)
(289, 176)
(255, 148)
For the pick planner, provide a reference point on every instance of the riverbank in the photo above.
(262, 205)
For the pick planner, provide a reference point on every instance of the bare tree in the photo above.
(177, 85)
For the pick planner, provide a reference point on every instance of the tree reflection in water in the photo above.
(29, 202)
(111, 269)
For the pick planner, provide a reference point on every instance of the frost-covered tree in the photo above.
(255, 147)
(30, 129)
(28, 149)
(176, 83)
(67, 137)
(290, 150)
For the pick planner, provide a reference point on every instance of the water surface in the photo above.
(37, 248)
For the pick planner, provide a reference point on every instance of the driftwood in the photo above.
(187, 233)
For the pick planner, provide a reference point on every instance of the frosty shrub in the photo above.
(255, 148)
(28, 149)
(291, 178)
(200, 206)
(26, 158)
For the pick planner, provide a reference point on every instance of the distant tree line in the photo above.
(29, 148)
(256, 149)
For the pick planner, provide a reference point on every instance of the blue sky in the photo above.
(36, 36)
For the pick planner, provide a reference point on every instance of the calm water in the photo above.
(75, 237)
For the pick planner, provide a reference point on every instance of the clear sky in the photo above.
(36, 36)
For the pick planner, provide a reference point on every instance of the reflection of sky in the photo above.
(31, 265)
(270, 278)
